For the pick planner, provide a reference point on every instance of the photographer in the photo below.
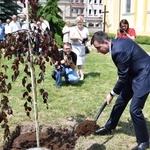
(124, 31)
(66, 67)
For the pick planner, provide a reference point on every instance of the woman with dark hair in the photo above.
(125, 31)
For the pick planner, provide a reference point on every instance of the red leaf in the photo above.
(25, 94)
(29, 87)
(41, 91)
(24, 81)
(29, 108)
(39, 81)
(29, 99)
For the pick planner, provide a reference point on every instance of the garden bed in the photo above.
(60, 138)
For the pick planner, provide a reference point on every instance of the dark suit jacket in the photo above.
(133, 65)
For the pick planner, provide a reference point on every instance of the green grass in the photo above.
(84, 99)
(145, 47)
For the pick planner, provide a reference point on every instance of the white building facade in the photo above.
(89, 9)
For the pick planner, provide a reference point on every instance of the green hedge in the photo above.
(139, 39)
(143, 39)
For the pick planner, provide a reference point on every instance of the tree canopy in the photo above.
(51, 13)
(7, 9)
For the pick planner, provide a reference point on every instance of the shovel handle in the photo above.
(100, 111)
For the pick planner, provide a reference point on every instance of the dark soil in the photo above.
(24, 137)
(86, 128)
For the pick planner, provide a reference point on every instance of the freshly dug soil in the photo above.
(61, 139)
(86, 128)
(24, 136)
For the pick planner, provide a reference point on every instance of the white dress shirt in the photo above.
(15, 26)
(7, 29)
(45, 25)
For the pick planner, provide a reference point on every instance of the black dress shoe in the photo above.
(102, 131)
(142, 146)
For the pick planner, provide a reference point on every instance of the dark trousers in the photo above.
(36, 46)
(137, 116)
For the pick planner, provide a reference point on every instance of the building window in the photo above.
(72, 1)
(100, 11)
(82, 11)
(95, 12)
(100, 1)
(77, 11)
(73, 10)
(95, 1)
(90, 11)
(77, 1)
(128, 6)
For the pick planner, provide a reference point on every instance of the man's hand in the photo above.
(56, 63)
(69, 61)
(109, 98)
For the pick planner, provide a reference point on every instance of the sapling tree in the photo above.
(10, 49)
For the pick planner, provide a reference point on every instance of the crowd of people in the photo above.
(10, 26)
(77, 36)
(133, 83)
(13, 25)
(132, 62)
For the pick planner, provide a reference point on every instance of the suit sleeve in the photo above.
(122, 61)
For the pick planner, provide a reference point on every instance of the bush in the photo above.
(139, 39)
(111, 35)
(90, 24)
(58, 39)
(143, 39)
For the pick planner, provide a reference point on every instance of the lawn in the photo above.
(83, 99)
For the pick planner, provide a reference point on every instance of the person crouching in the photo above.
(67, 66)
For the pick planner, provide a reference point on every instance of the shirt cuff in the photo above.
(113, 93)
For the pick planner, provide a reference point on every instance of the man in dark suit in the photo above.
(133, 65)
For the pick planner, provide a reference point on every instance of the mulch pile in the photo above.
(51, 138)
(86, 128)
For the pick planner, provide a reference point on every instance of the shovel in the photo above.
(87, 127)
(100, 111)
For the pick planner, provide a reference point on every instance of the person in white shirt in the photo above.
(25, 25)
(66, 32)
(36, 27)
(33, 25)
(14, 24)
(7, 26)
(44, 24)
(79, 35)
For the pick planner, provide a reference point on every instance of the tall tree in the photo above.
(7, 9)
(51, 13)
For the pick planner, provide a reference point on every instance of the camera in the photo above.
(121, 30)
(84, 40)
(69, 57)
